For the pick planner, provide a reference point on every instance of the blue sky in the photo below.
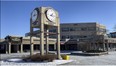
(15, 15)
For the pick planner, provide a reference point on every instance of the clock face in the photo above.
(34, 15)
(51, 15)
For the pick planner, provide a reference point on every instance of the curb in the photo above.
(90, 54)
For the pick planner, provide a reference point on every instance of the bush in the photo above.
(40, 58)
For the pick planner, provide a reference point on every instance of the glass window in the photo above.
(65, 37)
(65, 29)
(71, 37)
(81, 36)
(78, 29)
(52, 30)
(72, 29)
(115, 35)
(92, 28)
(84, 29)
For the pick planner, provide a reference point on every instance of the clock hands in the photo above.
(34, 15)
(52, 15)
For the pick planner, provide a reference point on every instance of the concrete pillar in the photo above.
(58, 42)
(54, 46)
(42, 34)
(107, 46)
(104, 46)
(9, 48)
(31, 46)
(111, 46)
(31, 39)
(21, 48)
(17, 48)
(47, 41)
(6, 48)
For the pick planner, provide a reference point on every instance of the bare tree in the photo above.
(107, 31)
(114, 28)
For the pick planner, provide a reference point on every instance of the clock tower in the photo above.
(43, 18)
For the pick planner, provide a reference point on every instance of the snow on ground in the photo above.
(109, 59)
(19, 62)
